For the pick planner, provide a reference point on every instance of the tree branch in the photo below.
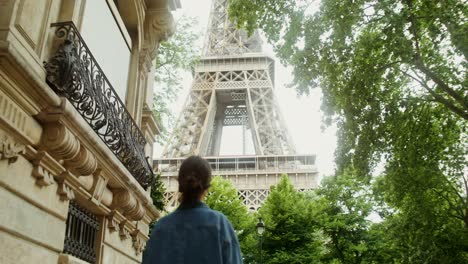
(385, 66)
(463, 112)
(169, 61)
(440, 83)
(438, 97)
(453, 206)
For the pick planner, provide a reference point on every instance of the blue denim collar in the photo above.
(197, 204)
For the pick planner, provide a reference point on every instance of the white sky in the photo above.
(302, 114)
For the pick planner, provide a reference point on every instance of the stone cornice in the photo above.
(72, 123)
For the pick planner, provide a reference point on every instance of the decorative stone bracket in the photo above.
(124, 229)
(138, 241)
(64, 190)
(124, 233)
(128, 204)
(113, 223)
(63, 145)
(42, 171)
(99, 186)
(159, 26)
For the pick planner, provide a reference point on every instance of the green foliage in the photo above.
(344, 206)
(157, 195)
(343, 218)
(328, 225)
(370, 58)
(223, 197)
(393, 76)
(424, 180)
(291, 233)
(175, 56)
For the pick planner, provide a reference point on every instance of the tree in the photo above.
(393, 76)
(291, 233)
(223, 197)
(343, 218)
(157, 193)
(175, 56)
(424, 182)
(157, 196)
(344, 206)
(370, 58)
(344, 42)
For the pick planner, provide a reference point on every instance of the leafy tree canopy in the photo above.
(291, 234)
(371, 59)
(344, 208)
(393, 76)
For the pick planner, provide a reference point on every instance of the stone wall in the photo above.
(49, 155)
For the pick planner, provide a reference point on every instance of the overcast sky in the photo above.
(302, 114)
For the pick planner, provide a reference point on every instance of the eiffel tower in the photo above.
(233, 86)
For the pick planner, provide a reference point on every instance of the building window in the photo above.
(81, 233)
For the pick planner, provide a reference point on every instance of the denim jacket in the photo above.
(193, 235)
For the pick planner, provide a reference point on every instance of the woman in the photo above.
(193, 233)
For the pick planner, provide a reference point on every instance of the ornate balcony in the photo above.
(74, 73)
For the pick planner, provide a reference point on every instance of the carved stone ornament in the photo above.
(123, 232)
(9, 149)
(138, 242)
(113, 223)
(65, 192)
(159, 26)
(43, 176)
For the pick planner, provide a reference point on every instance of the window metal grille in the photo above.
(81, 232)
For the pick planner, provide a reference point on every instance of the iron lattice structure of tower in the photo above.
(233, 86)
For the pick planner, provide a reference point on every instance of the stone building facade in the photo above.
(76, 128)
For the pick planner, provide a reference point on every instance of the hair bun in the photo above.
(192, 182)
(194, 178)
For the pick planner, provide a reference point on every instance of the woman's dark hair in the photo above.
(194, 178)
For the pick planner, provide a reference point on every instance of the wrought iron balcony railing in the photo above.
(74, 73)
